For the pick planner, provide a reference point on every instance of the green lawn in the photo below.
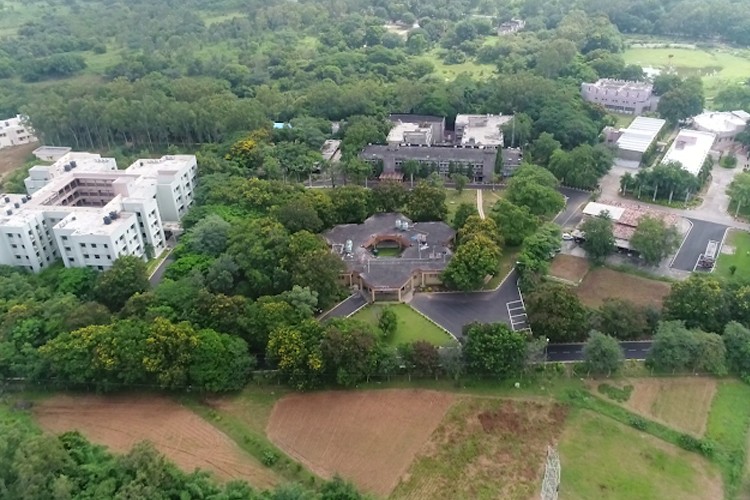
(411, 325)
(451, 71)
(489, 198)
(728, 423)
(740, 240)
(718, 67)
(453, 200)
(604, 459)
(622, 121)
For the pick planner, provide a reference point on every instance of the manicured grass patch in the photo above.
(622, 121)
(489, 198)
(602, 283)
(485, 448)
(451, 71)
(507, 261)
(411, 325)
(389, 252)
(740, 259)
(453, 199)
(728, 423)
(718, 67)
(605, 459)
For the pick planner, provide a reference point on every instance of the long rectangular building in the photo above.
(85, 211)
(690, 148)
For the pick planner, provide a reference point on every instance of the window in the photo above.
(83, 245)
(85, 256)
(67, 249)
(93, 245)
(106, 246)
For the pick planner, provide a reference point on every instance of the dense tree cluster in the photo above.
(479, 245)
(34, 465)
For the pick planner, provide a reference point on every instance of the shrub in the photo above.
(616, 393)
(269, 458)
(638, 423)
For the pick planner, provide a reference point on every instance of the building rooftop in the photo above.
(619, 86)
(425, 247)
(626, 217)
(330, 149)
(690, 148)
(11, 122)
(722, 121)
(438, 153)
(482, 129)
(640, 134)
(51, 151)
(401, 117)
(401, 130)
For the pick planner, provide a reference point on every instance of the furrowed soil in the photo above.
(603, 283)
(369, 438)
(119, 422)
(569, 268)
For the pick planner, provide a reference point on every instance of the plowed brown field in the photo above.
(122, 421)
(370, 437)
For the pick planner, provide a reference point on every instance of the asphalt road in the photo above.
(346, 308)
(158, 274)
(571, 214)
(695, 243)
(574, 352)
(454, 310)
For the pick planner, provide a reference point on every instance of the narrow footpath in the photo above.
(480, 204)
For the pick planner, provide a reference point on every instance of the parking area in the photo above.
(701, 233)
(574, 203)
(452, 311)
(517, 315)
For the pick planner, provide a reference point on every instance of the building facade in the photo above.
(478, 163)
(13, 132)
(85, 211)
(621, 96)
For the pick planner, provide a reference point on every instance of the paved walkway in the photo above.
(480, 204)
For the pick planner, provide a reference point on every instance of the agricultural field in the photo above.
(411, 325)
(718, 67)
(370, 438)
(569, 268)
(485, 448)
(738, 242)
(604, 459)
(682, 403)
(119, 422)
(603, 283)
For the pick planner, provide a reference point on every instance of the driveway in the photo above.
(454, 310)
(696, 241)
(572, 213)
(346, 308)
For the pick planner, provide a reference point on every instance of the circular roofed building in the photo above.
(726, 125)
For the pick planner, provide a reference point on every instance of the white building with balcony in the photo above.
(85, 211)
(13, 132)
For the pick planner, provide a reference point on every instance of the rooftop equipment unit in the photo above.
(73, 164)
(9, 212)
(16, 205)
(67, 167)
(405, 225)
(107, 220)
(7, 199)
(349, 246)
(398, 224)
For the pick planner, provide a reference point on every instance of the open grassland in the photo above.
(411, 325)
(367, 437)
(682, 403)
(569, 268)
(119, 422)
(602, 283)
(453, 199)
(604, 459)
(14, 13)
(728, 424)
(485, 448)
(449, 72)
(718, 67)
(740, 258)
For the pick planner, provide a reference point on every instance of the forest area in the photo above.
(137, 78)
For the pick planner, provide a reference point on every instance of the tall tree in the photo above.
(602, 354)
(426, 203)
(474, 260)
(600, 238)
(700, 301)
(494, 350)
(556, 313)
(739, 192)
(654, 240)
(126, 277)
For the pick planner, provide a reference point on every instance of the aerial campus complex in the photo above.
(84, 211)
(13, 132)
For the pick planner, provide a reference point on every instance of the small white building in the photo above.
(690, 148)
(85, 211)
(725, 125)
(13, 132)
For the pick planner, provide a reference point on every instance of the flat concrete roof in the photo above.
(594, 209)
(690, 148)
(722, 121)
